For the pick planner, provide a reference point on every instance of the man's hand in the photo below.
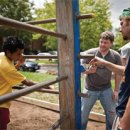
(20, 62)
(115, 95)
(97, 61)
(91, 69)
(50, 87)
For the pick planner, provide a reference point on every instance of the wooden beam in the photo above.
(44, 104)
(85, 16)
(97, 117)
(40, 90)
(40, 57)
(24, 26)
(67, 93)
(52, 20)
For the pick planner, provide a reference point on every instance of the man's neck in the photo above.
(8, 57)
(103, 53)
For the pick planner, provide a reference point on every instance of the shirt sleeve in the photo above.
(125, 52)
(87, 60)
(14, 77)
(118, 61)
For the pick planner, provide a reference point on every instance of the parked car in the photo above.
(45, 54)
(29, 66)
(54, 53)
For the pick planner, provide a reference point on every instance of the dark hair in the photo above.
(107, 35)
(12, 43)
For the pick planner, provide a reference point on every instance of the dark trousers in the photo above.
(4, 118)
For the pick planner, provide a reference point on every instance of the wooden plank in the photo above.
(44, 104)
(55, 107)
(66, 63)
(97, 117)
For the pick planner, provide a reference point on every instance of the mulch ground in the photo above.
(30, 117)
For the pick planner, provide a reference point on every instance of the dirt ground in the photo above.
(30, 117)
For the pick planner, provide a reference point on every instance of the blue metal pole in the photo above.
(76, 26)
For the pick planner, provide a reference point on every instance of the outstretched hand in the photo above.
(97, 61)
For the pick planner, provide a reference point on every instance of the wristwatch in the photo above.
(119, 128)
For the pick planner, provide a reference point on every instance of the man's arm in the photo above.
(124, 61)
(28, 82)
(118, 69)
(117, 84)
(125, 120)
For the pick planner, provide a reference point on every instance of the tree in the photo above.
(48, 11)
(90, 29)
(20, 10)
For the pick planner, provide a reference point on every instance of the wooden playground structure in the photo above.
(69, 71)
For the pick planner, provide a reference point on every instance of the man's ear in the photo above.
(128, 22)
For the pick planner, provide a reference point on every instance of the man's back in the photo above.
(9, 77)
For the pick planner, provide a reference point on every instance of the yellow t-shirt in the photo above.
(9, 76)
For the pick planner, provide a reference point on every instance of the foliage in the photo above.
(48, 11)
(92, 28)
(20, 10)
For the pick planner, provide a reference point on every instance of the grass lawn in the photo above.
(38, 77)
(41, 77)
(47, 61)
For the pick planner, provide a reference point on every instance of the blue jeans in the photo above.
(105, 98)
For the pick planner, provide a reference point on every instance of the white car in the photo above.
(44, 54)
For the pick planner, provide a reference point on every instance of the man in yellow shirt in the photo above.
(13, 48)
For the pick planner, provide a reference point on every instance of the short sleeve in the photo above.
(125, 52)
(14, 77)
(90, 51)
(118, 61)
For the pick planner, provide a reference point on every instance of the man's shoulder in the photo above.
(125, 47)
(91, 51)
(2, 54)
(114, 52)
(8, 66)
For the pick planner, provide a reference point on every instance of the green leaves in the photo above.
(90, 29)
(48, 11)
(20, 10)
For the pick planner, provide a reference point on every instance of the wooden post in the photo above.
(69, 65)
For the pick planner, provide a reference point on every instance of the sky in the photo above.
(116, 8)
